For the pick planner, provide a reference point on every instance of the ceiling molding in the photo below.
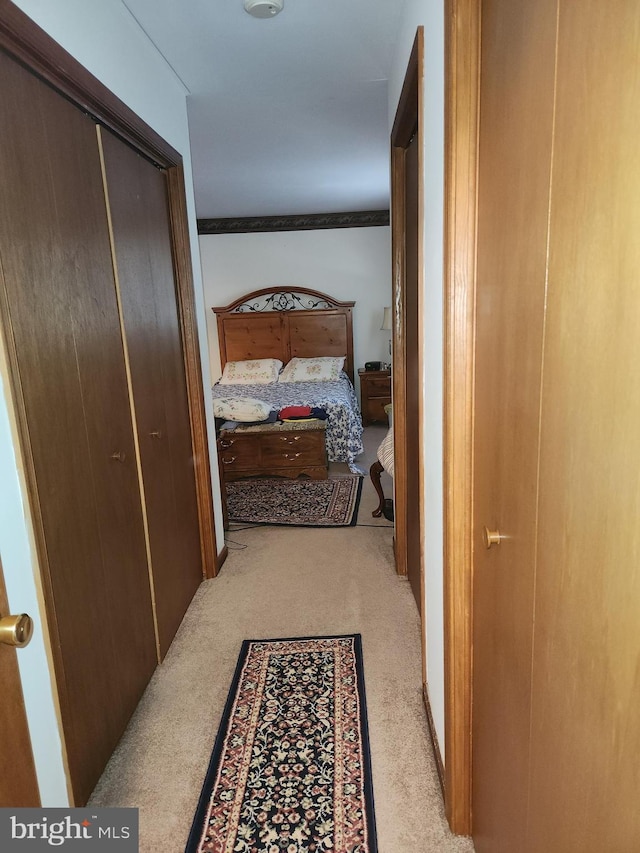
(304, 222)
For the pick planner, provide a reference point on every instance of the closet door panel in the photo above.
(586, 674)
(60, 315)
(516, 96)
(142, 243)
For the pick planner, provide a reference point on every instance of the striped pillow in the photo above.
(385, 453)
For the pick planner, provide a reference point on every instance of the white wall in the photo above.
(430, 13)
(348, 263)
(106, 40)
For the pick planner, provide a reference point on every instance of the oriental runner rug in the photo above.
(290, 770)
(299, 503)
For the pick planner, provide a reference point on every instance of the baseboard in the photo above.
(434, 736)
(222, 556)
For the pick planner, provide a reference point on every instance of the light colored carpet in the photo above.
(283, 582)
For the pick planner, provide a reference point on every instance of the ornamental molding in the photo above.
(306, 222)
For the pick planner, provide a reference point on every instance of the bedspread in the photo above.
(344, 422)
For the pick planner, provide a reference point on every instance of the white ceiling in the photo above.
(287, 115)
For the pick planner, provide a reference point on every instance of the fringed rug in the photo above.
(300, 503)
(290, 770)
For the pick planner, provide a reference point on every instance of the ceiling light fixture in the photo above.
(263, 8)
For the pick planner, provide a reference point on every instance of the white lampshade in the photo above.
(386, 320)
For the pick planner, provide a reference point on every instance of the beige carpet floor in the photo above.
(283, 582)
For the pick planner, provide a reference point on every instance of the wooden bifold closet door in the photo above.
(137, 202)
(63, 322)
(104, 496)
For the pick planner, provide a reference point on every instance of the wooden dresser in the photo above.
(375, 394)
(274, 450)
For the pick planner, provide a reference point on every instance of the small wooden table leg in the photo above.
(374, 472)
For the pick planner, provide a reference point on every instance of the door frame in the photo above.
(462, 77)
(408, 122)
(22, 39)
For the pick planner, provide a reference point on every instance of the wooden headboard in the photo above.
(285, 323)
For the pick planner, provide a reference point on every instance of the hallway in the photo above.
(281, 582)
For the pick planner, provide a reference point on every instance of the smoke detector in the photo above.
(263, 8)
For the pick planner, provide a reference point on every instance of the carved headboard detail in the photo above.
(285, 323)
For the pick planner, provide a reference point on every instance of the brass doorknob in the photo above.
(16, 630)
(491, 537)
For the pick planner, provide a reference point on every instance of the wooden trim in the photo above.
(23, 39)
(304, 222)
(399, 361)
(462, 73)
(419, 48)
(408, 121)
(193, 366)
(434, 736)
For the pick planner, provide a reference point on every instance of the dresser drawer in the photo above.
(293, 449)
(238, 452)
(379, 387)
(293, 441)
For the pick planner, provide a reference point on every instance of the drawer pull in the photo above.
(228, 461)
(224, 444)
(289, 438)
(292, 455)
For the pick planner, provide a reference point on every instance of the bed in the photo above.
(296, 323)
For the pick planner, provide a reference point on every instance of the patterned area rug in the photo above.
(300, 503)
(290, 771)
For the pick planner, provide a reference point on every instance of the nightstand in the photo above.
(375, 394)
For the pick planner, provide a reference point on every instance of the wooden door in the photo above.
(137, 197)
(516, 96)
(407, 224)
(59, 308)
(412, 370)
(18, 782)
(585, 775)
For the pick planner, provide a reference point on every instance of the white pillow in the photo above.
(244, 410)
(256, 371)
(321, 369)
